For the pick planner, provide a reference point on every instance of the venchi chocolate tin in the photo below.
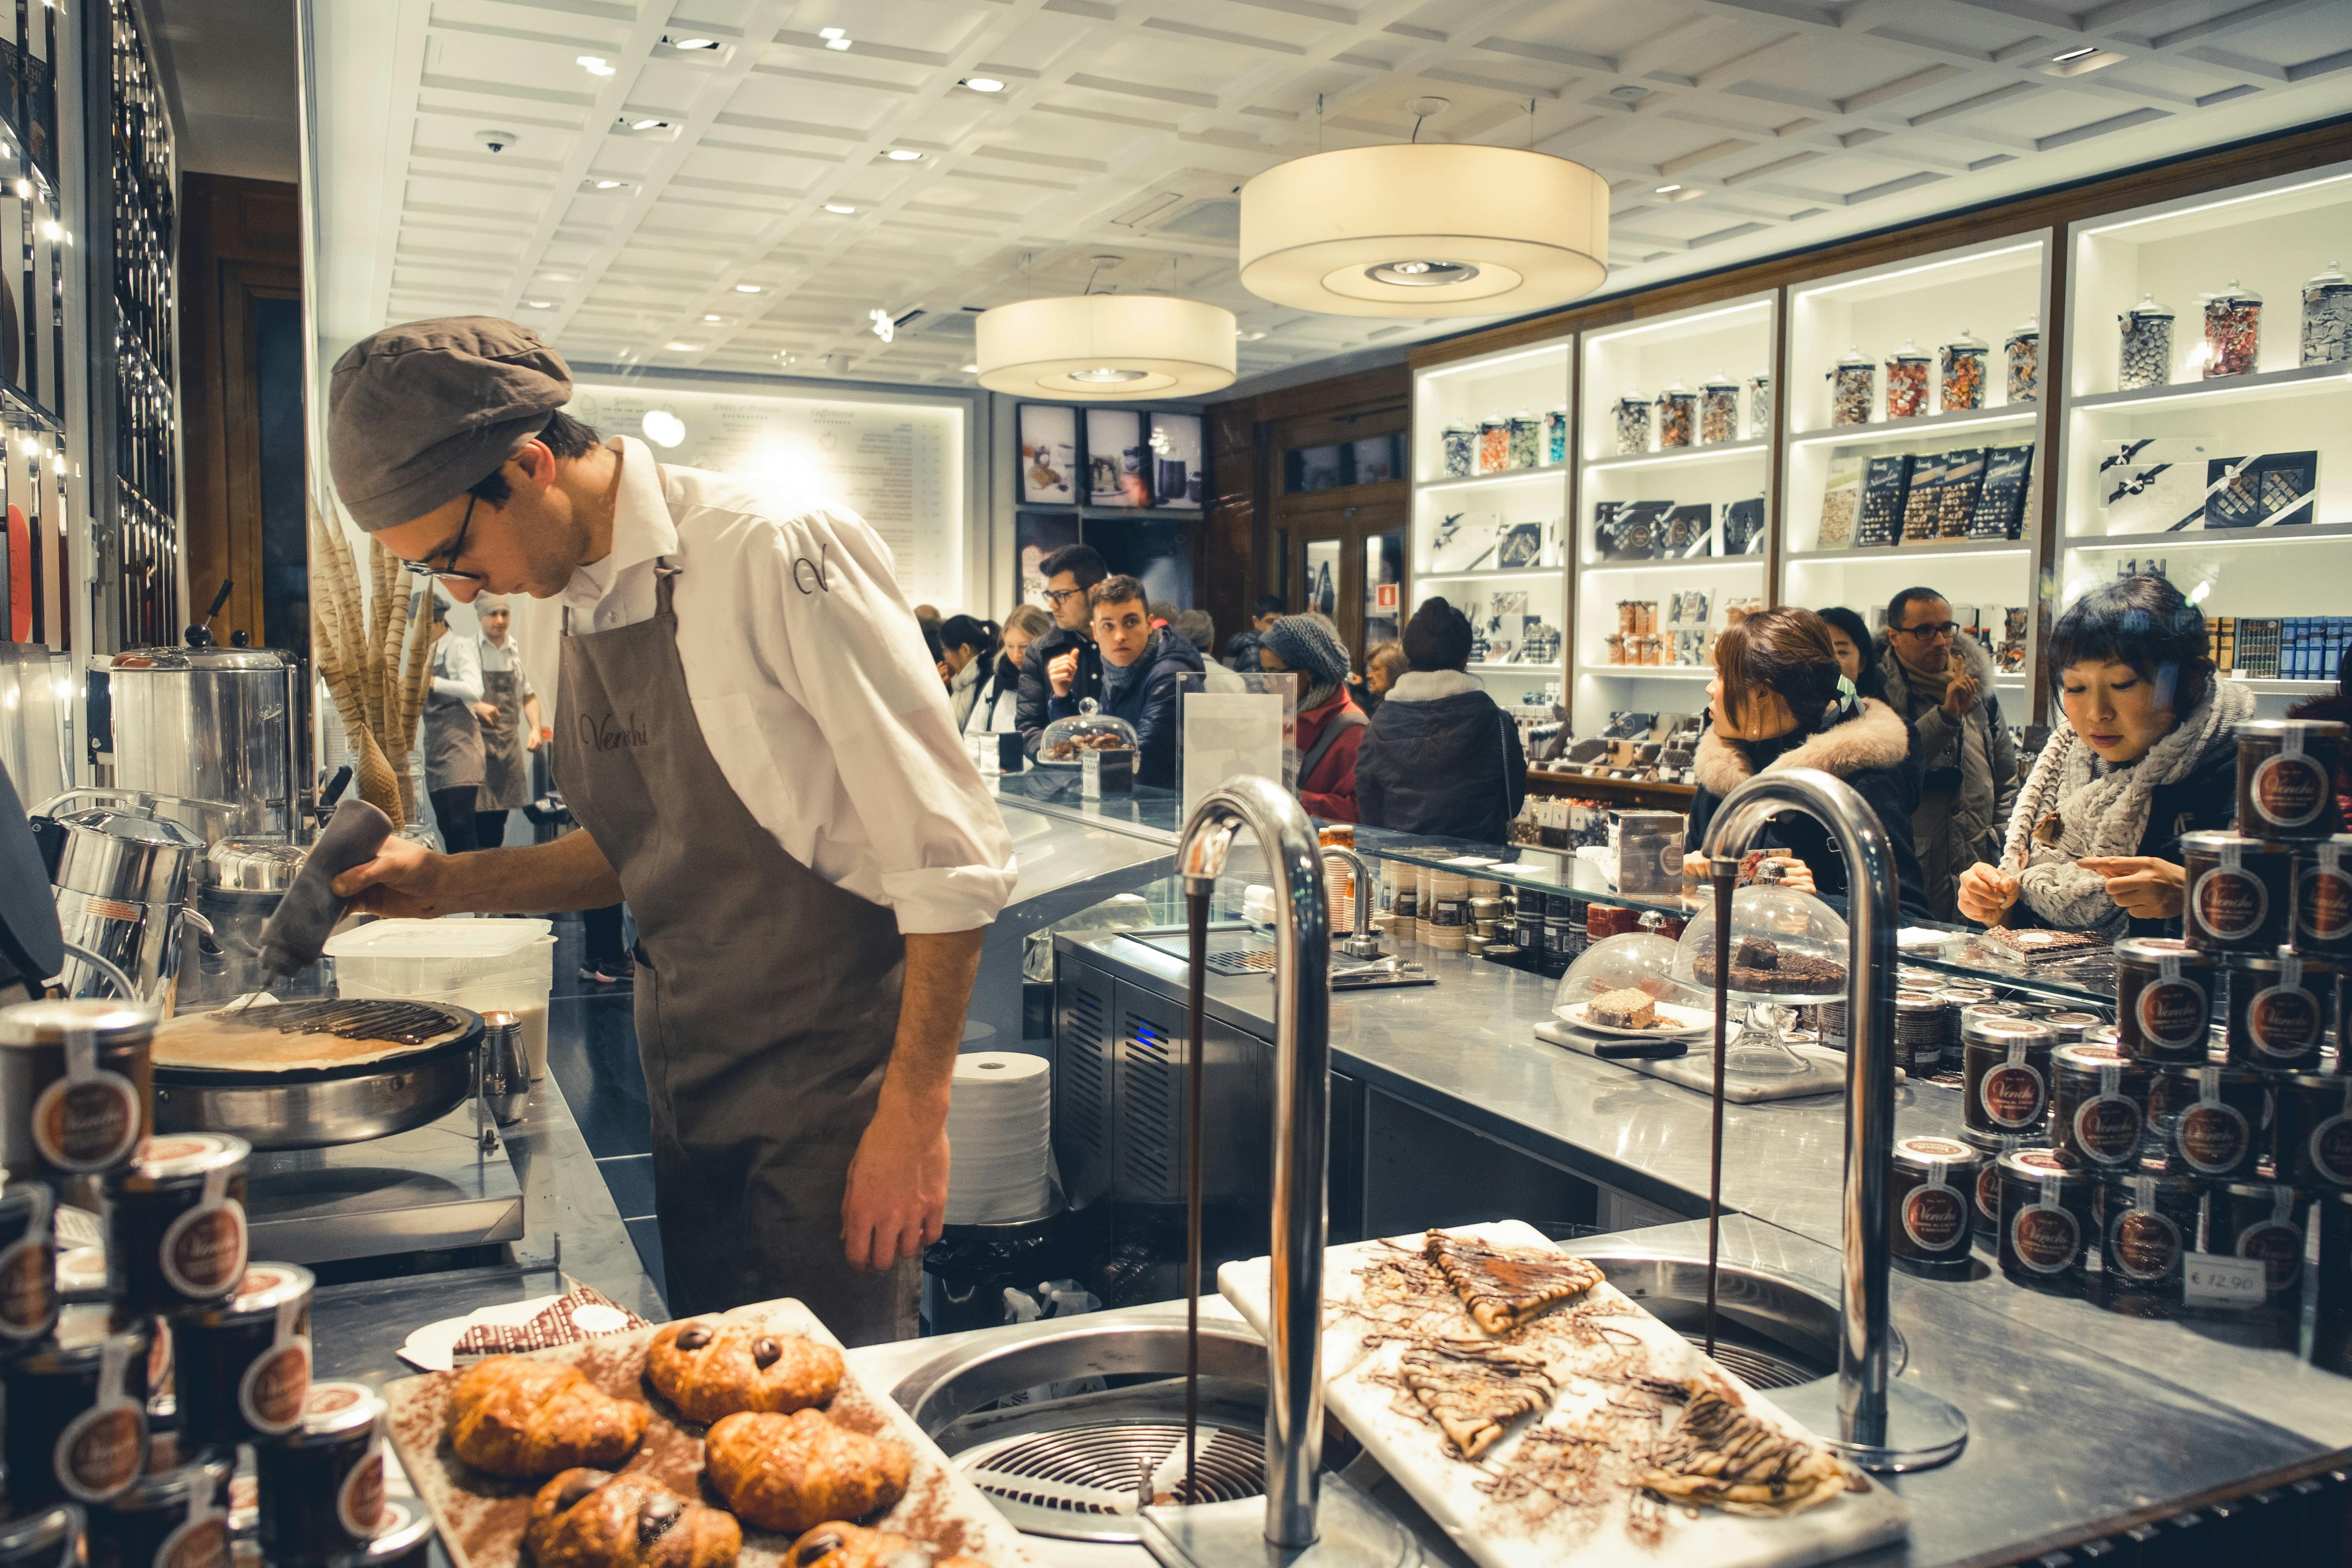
(321, 1482)
(2311, 1144)
(2164, 999)
(2046, 1217)
(2288, 769)
(1931, 1188)
(2257, 1220)
(77, 1088)
(175, 1231)
(173, 1519)
(1987, 1215)
(2146, 1225)
(2005, 1072)
(2323, 897)
(77, 1428)
(242, 1367)
(2100, 1098)
(47, 1537)
(2280, 1010)
(2210, 1119)
(29, 1265)
(2240, 893)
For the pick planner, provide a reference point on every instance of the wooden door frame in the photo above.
(242, 283)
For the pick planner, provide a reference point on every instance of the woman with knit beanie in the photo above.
(1331, 726)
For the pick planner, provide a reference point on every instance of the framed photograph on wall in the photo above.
(1115, 458)
(1036, 535)
(1049, 454)
(1177, 479)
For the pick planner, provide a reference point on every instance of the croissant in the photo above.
(840, 1545)
(592, 1519)
(710, 1369)
(786, 1473)
(514, 1417)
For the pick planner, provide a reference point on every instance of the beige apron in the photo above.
(767, 998)
(506, 766)
(453, 737)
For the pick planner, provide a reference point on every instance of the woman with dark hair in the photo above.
(996, 693)
(1779, 701)
(2143, 754)
(1850, 640)
(968, 645)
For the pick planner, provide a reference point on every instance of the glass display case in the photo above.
(1067, 740)
(1671, 518)
(1490, 477)
(1788, 950)
(2217, 453)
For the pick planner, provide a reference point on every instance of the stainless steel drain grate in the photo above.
(1759, 1369)
(1242, 960)
(1094, 1470)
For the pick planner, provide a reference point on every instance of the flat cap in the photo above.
(418, 414)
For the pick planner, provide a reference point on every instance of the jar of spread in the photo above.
(2331, 1217)
(2100, 1097)
(77, 1086)
(322, 1481)
(1931, 1189)
(2323, 897)
(2241, 891)
(175, 1231)
(243, 1365)
(171, 1519)
(2072, 1026)
(2045, 1217)
(2005, 1076)
(76, 1426)
(2288, 770)
(1988, 1185)
(2164, 999)
(47, 1539)
(2210, 1119)
(1919, 1024)
(2280, 1010)
(29, 1265)
(2311, 1143)
(404, 1540)
(2146, 1223)
(2102, 1034)
(2259, 1220)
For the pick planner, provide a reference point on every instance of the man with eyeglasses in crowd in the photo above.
(1940, 679)
(762, 762)
(1065, 662)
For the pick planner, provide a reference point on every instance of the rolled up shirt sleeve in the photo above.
(885, 785)
(457, 669)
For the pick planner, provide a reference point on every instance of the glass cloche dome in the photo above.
(1637, 960)
(1788, 948)
(1088, 729)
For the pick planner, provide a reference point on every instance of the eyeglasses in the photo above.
(450, 573)
(1932, 630)
(1055, 596)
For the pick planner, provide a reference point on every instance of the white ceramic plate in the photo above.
(1681, 1022)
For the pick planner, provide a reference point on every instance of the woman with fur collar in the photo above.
(1779, 700)
(2144, 754)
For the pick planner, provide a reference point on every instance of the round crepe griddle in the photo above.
(286, 1042)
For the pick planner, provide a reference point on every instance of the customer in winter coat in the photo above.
(1331, 726)
(1241, 653)
(996, 709)
(1940, 679)
(1779, 701)
(1065, 659)
(1440, 755)
(2144, 754)
(1141, 663)
(2336, 707)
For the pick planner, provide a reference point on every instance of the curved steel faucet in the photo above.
(1881, 1425)
(1359, 943)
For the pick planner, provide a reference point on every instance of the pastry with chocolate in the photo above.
(1507, 1287)
(518, 1418)
(592, 1519)
(786, 1473)
(841, 1545)
(714, 1367)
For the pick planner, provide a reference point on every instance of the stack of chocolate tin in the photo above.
(128, 1417)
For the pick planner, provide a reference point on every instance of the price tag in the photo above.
(2215, 1279)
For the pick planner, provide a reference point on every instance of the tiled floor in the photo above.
(591, 1055)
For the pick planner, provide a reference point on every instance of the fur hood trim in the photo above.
(1975, 660)
(1430, 685)
(1875, 737)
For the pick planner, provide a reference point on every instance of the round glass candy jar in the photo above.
(2046, 1217)
(2210, 1119)
(2327, 318)
(2144, 357)
(1677, 415)
(1931, 1189)
(1555, 424)
(1907, 382)
(2164, 999)
(1527, 441)
(1458, 451)
(1760, 407)
(1494, 445)
(2005, 1074)
(2280, 1010)
(1961, 373)
(1632, 413)
(2239, 895)
(2099, 1101)
(2233, 332)
(1853, 389)
(2022, 352)
(1718, 410)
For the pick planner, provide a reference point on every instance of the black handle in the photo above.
(1647, 1050)
(336, 786)
(218, 599)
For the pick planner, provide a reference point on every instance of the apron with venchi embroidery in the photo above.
(767, 998)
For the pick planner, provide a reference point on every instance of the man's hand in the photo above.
(1794, 872)
(897, 1195)
(1061, 669)
(530, 740)
(2145, 887)
(405, 882)
(1960, 696)
(487, 712)
(1986, 894)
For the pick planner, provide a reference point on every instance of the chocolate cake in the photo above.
(1787, 974)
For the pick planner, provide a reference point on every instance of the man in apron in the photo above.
(453, 732)
(765, 766)
(511, 724)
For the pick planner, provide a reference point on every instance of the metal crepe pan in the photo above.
(319, 1108)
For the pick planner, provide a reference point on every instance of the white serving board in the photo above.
(1696, 1072)
(1502, 1535)
(481, 1517)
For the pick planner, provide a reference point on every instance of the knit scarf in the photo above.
(1319, 693)
(1927, 685)
(1116, 679)
(2102, 810)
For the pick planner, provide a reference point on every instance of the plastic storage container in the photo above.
(490, 966)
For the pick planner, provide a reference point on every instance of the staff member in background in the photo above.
(1140, 662)
(762, 762)
(1330, 726)
(1064, 660)
(511, 724)
(454, 762)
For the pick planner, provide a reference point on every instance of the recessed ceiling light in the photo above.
(836, 43)
(2074, 54)
(843, 208)
(1629, 92)
(972, 369)
(696, 44)
(610, 184)
(983, 84)
(1252, 336)
(902, 155)
(682, 348)
(539, 304)
(1106, 375)
(594, 65)
(831, 33)
(710, 318)
(747, 288)
(1668, 190)
(648, 124)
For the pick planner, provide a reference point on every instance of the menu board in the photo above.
(899, 465)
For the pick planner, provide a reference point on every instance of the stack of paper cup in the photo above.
(1000, 1127)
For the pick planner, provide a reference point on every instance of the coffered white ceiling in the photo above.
(682, 207)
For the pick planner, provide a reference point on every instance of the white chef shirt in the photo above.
(498, 658)
(812, 685)
(457, 668)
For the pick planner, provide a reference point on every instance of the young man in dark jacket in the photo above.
(1070, 573)
(1139, 667)
(1241, 653)
(1440, 757)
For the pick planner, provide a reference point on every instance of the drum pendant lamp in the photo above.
(1106, 347)
(1424, 229)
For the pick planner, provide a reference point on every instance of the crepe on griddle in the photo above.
(1721, 1453)
(1475, 1389)
(1507, 1287)
(249, 1039)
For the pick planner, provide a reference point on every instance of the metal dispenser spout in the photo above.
(1878, 1422)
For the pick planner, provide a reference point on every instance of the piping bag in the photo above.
(296, 933)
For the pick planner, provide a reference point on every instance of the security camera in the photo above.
(497, 140)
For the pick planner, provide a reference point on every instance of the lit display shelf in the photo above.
(2208, 429)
